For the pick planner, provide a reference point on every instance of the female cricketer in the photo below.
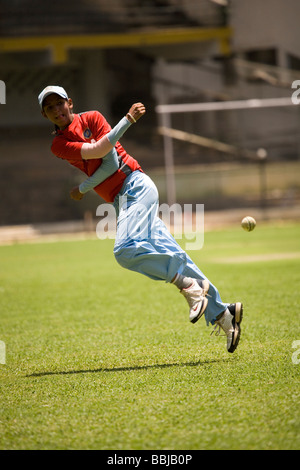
(143, 243)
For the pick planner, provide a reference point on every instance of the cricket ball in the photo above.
(248, 223)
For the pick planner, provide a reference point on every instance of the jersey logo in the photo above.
(87, 133)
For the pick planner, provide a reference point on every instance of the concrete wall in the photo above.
(262, 24)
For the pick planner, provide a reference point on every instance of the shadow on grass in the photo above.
(130, 368)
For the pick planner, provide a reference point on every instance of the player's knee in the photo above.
(123, 256)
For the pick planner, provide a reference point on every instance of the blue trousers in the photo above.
(144, 244)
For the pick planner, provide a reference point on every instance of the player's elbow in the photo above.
(96, 150)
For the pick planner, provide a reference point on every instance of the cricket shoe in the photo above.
(230, 322)
(196, 298)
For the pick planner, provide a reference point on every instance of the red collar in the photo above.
(70, 127)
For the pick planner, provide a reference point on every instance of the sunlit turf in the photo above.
(98, 357)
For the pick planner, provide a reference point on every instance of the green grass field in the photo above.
(98, 357)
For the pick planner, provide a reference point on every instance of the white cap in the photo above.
(58, 90)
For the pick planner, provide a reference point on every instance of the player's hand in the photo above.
(76, 194)
(136, 111)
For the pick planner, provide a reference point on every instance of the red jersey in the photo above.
(90, 127)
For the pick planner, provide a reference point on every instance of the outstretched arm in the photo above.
(101, 148)
(104, 148)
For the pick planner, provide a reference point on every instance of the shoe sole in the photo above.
(237, 329)
(205, 287)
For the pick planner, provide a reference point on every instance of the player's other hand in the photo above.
(136, 111)
(76, 194)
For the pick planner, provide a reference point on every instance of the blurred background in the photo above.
(162, 52)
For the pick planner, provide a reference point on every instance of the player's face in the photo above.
(58, 110)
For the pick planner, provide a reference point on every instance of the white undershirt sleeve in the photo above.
(108, 167)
